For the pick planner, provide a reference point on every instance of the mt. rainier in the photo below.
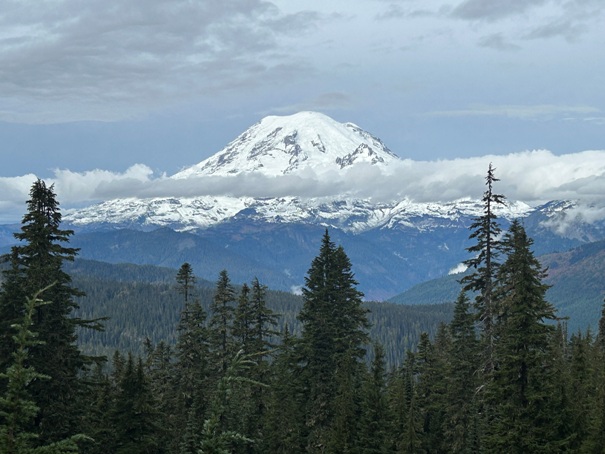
(287, 145)
(259, 207)
(278, 156)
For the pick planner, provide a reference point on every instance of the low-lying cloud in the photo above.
(531, 176)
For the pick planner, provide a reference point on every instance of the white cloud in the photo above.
(14, 193)
(531, 176)
(460, 268)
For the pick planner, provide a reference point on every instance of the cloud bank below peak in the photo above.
(532, 177)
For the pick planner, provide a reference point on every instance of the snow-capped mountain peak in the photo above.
(281, 145)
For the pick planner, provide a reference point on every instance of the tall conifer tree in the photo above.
(485, 230)
(36, 263)
(522, 391)
(221, 323)
(334, 328)
(461, 378)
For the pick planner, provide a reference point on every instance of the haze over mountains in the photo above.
(259, 207)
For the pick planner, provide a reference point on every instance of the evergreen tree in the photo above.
(242, 323)
(410, 424)
(264, 321)
(485, 231)
(17, 406)
(375, 421)
(430, 394)
(158, 378)
(594, 442)
(253, 327)
(221, 321)
(191, 377)
(185, 280)
(35, 263)
(135, 420)
(344, 429)
(334, 325)
(581, 385)
(521, 392)
(218, 434)
(461, 379)
(284, 421)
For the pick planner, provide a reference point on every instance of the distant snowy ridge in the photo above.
(354, 216)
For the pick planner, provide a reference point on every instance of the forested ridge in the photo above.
(252, 371)
(144, 304)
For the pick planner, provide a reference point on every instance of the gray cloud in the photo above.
(497, 41)
(492, 10)
(574, 20)
(393, 11)
(72, 60)
(517, 111)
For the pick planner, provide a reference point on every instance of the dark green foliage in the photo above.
(220, 328)
(461, 379)
(190, 378)
(284, 418)
(185, 280)
(36, 263)
(520, 392)
(133, 415)
(334, 332)
(242, 324)
(375, 423)
(219, 433)
(17, 407)
(485, 231)
(264, 321)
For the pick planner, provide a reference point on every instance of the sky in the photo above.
(128, 92)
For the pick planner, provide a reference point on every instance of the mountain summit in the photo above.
(269, 226)
(281, 145)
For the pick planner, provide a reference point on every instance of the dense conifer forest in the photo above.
(226, 369)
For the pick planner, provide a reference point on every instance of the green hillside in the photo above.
(141, 302)
(576, 278)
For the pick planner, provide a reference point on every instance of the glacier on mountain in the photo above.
(309, 146)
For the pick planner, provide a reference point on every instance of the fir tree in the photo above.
(242, 323)
(221, 321)
(284, 421)
(264, 320)
(461, 378)
(334, 325)
(135, 420)
(191, 379)
(18, 408)
(218, 435)
(375, 421)
(594, 443)
(521, 392)
(485, 231)
(35, 263)
(430, 394)
(185, 280)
